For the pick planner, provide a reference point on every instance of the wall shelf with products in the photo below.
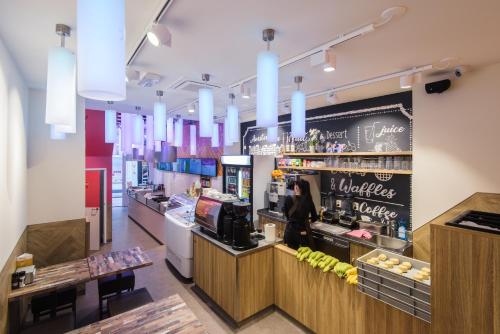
(360, 154)
(351, 170)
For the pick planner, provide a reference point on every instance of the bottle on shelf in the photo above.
(287, 146)
(402, 229)
(292, 146)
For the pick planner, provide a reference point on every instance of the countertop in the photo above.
(262, 244)
(169, 315)
(266, 213)
(133, 196)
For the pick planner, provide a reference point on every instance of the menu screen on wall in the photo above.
(195, 166)
(209, 167)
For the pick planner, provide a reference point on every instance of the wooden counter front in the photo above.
(241, 285)
(327, 304)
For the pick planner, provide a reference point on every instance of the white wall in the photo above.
(263, 166)
(56, 169)
(13, 175)
(456, 143)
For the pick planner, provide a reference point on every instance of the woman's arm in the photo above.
(314, 214)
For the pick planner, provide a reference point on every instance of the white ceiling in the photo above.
(222, 38)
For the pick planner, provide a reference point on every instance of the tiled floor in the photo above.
(161, 283)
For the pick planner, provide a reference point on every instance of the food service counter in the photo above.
(241, 283)
(150, 217)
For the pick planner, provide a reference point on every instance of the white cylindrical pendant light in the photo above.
(267, 89)
(157, 146)
(227, 139)
(60, 108)
(215, 135)
(110, 129)
(160, 118)
(233, 123)
(272, 134)
(101, 49)
(206, 110)
(192, 139)
(298, 111)
(179, 132)
(170, 130)
(138, 138)
(56, 135)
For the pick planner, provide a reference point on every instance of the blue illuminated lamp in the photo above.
(267, 84)
(298, 111)
(160, 118)
(206, 108)
(110, 130)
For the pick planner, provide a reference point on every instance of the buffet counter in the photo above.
(241, 283)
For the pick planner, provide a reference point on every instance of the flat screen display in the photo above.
(195, 166)
(209, 167)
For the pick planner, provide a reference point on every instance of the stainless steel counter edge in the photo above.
(359, 241)
(262, 244)
(153, 209)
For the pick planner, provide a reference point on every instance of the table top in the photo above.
(169, 315)
(101, 265)
(55, 277)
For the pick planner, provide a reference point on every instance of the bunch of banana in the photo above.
(303, 253)
(341, 268)
(327, 263)
(352, 276)
(314, 258)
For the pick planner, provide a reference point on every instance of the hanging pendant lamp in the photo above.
(138, 138)
(298, 111)
(267, 84)
(215, 135)
(127, 133)
(206, 108)
(101, 49)
(192, 139)
(170, 130)
(272, 134)
(160, 118)
(179, 132)
(110, 130)
(233, 120)
(60, 108)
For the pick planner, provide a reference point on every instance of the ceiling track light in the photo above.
(245, 91)
(332, 97)
(159, 35)
(132, 75)
(191, 108)
(406, 81)
(330, 61)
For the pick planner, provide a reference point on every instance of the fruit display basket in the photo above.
(389, 285)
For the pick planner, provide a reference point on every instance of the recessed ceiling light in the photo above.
(159, 35)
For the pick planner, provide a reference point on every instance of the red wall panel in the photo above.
(92, 189)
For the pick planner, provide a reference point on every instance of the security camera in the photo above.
(460, 70)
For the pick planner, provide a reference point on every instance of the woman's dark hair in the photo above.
(305, 188)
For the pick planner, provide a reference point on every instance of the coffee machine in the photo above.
(227, 222)
(242, 227)
(346, 209)
(276, 192)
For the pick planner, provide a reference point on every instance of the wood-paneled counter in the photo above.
(240, 283)
(327, 304)
(465, 267)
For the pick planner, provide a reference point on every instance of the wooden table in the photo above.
(55, 277)
(169, 315)
(102, 265)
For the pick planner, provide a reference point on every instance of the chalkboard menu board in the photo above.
(377, 127)
(381, 124)
(381, 197)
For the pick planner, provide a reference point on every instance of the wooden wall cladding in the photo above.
(57, 242)
(465, 268)
(326, 304)
(5, 274)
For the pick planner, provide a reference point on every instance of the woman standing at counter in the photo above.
(297, 210)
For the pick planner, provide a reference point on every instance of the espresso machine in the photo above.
(242, 227)
(227, 223)
(346, 211)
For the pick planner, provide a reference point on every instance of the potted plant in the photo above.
(314, 137)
